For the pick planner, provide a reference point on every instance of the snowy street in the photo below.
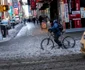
(42, 34)
(24, 52)
(27, 45)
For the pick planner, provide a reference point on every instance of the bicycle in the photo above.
(67, 41)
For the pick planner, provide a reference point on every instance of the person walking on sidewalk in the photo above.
(24, 20)
(40, 19)
(37, 20)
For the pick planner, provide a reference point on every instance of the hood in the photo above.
(55, 21)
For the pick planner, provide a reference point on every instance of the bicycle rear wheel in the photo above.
(68, 42)
(47, 43)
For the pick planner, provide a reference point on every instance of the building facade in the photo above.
(73, 14)
(70, 13)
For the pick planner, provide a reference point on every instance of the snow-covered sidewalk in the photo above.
(11, 33)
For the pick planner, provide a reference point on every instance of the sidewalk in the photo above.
(11, 33)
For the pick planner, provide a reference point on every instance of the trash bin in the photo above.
(43, 25)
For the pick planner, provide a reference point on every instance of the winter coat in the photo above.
(55, 29)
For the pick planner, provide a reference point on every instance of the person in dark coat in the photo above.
(34, 20)
(57, 32)
(40, 19)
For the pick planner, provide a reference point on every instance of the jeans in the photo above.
(56, 39)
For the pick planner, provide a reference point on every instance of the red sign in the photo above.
(33, 4)
(37, 1)
(77, 4)
(77, 23)
(65, 1)
(16, 11)
(71, 16)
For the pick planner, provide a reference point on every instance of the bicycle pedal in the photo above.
(61, 47)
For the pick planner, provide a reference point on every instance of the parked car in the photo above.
(17, 19)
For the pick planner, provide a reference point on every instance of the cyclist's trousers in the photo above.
(56, 39)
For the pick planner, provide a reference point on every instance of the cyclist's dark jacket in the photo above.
(55, 28)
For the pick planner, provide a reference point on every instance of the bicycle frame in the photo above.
(51, 35)
(62, 36)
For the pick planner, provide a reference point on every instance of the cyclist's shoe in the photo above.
(60, 48)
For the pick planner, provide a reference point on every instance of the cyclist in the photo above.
(56, 31)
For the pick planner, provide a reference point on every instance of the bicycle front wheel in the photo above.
(47, 43)
(68, 42)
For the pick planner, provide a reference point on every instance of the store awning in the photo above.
(44, 6)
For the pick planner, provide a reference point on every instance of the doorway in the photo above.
(54, 9)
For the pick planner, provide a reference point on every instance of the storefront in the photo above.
(72, 14)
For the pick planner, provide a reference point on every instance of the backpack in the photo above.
(60, 27)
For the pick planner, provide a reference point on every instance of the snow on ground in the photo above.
(27, 45)
(36, 51)
(22, 32)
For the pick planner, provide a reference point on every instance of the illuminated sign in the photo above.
(33, 4)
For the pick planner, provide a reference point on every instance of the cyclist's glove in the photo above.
(49, 30)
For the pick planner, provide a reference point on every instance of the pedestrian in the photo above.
(4, 25)
(40, 19)
(34, 20)
(24, 20)
(37, 20)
